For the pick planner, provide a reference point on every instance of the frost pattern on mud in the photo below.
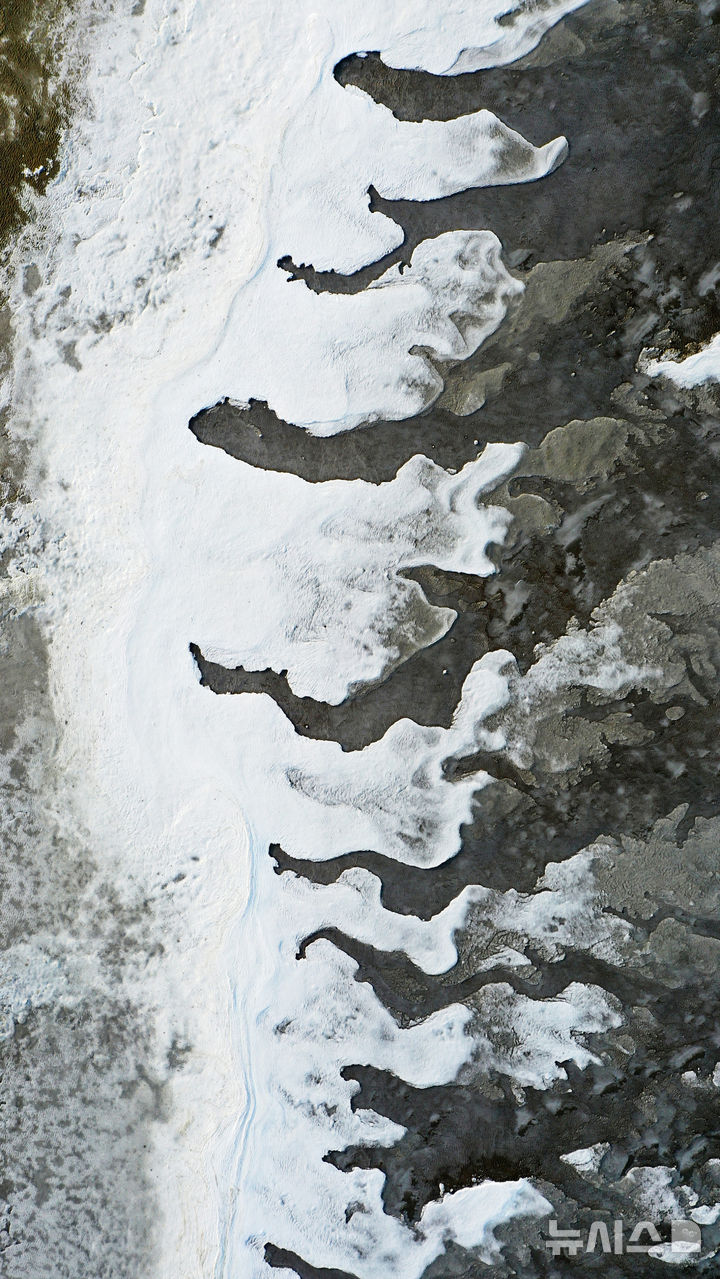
(160, 295)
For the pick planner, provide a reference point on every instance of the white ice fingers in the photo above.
(457, 36)
(403, 160)
(450, 155)
(319, 801)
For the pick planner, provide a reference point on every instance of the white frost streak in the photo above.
(218, 142)
(352, 904)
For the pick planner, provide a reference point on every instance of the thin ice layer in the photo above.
(467, 37)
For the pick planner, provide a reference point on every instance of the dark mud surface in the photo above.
(616, 511)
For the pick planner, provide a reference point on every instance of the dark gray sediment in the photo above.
(616, 507)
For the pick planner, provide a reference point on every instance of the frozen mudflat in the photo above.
(405, 944)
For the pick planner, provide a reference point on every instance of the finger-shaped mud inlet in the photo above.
(361, 626)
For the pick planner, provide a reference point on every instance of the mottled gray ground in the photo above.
(79, 1090)
(616, 510)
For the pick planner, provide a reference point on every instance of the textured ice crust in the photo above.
(218, 142)
(319, 801)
